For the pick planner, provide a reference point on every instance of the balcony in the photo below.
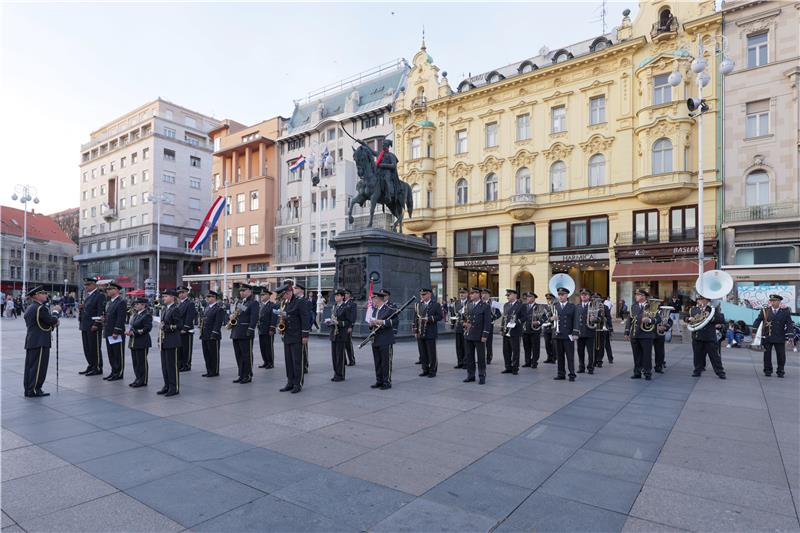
(419, 102)
(521, 206)
(421, 220)
(638, 238)
(666, 189)
(764, 212)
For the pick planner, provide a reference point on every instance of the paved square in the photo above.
(522, 453)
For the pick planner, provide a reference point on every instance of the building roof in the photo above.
(546, 57)
(72, 211)
(40, 226)
(379, 88)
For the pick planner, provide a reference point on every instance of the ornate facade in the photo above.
(580, 160)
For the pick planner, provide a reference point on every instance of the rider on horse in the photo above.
(386, 163)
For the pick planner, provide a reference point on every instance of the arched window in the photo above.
(494, 77)
(527, 66)
(558, 176)
(523, 181)
(462, 192)
(757, 188)
(491, 187)
(597, 170)
(416, 191)
(662, 156)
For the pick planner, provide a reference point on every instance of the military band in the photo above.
(776, 323)
(496, 314)
(532, 330)
(705, 343)
(170, 340)
(640, 330)
(427, 315)
(243, 331)
(90, 312)
(547, 329)
(211, 332)
(514, 315)
(141, 323)
(659, 341)
(188, 316)
(457, 325)
(477, 328)
(294, 327)
(114, 331)
(383, 323)
(266, 329)
(340, 322)
(602, 335)
(565, 330)
(348, 343)
(40, 324)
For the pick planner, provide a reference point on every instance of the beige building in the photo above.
(761, 196)
(246, 160)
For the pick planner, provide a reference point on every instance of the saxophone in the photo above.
(281, 327)
(234, 319)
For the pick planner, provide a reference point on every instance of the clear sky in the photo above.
(67, 68)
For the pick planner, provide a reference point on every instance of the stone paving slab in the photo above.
(134, 467)
(21, 462)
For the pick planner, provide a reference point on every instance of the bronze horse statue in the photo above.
(371, 188)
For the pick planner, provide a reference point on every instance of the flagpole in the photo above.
(225, 243)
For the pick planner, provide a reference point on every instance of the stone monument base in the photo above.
(398, 263)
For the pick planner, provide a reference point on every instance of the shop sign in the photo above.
(579, 258)
(476, 263)
(661, 251)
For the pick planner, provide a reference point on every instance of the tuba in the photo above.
(561, 281)
(714, 285)
(594, 313)
(650, 312)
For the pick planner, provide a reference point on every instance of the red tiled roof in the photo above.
(39, 226)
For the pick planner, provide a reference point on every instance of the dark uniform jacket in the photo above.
(141, 324)
(344, 313)
(352, 311)
(116, 314)
(267, 319)
(479, 316)
(188, 314)
(457, 307)
(385, 334)
(777, 325)
(433, 311)
(213, 320)
(568, 317)
(667, 326)
(297, 321)
(248, 319)
(171, 325)
(633, 325)
(40, 324)
(519, 311)
(93, 305)
(709, 332)
(583, 320)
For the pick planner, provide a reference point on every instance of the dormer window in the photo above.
(561, 56)
(494, 77)
(526, 66)
(465, 86)
(666, 22)
(601, 43)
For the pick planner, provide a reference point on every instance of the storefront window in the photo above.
(523, 238)
(484, 241)
(581, 232)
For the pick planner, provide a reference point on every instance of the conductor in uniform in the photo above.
(139, 342)
(515, 316)
(211, 333)
(266, 329)
(426, 330)
(188, 315)
(40, 324)
(565, 331)
(93, 306)
(339, 322)
(704, 340)
(171, 326)
(531, 331)
(114, 329)
(244, 332)
(477, 325)
(383, 342)
(293, 314)
(777, 324)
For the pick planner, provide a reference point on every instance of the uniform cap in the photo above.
(37, 290)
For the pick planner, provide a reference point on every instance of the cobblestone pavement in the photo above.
(521, 453)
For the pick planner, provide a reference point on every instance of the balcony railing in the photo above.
(419, 102)
(667, 235)
(763, 212)
(525, 198)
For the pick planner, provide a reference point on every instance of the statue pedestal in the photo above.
(396, 262)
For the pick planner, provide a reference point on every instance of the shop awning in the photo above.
(685, 270)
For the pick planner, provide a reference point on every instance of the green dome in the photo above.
(430, 59)
(425, 123)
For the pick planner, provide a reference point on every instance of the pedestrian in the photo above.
(8, 310)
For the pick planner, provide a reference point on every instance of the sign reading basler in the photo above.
(209, 222)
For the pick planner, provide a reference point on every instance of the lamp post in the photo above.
(64, 295)
(158, 200)
(697, 108)
(25, 194)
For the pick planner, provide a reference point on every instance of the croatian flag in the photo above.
(369, 303)
(208, 224)
(298, 164)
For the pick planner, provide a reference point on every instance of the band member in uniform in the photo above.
(602, 333)
(40, 324)
(477, 325)
(300, 294)
(486, 297)
(513, 317)
(426, 330)
(531, 331)
(459, 309)
(266, 329)
(139, 341)
(658, 344)
(565, 331)
(114, 329)
(211, 332)
(586, 338)
(93, 306)
(171, 326)
(294, 324)
(383, 342)
(640, 330)
(339, 322)
(188, 315)
(607, 335)
(547, 329)
(777, 324)
(244, 332)
(352, 312)
(704, 340)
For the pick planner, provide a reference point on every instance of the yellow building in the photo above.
(580, 160)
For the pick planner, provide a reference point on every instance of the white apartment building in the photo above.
(159, 150)
(310, 216)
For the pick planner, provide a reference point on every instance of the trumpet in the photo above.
(234, 319)
(508, 323)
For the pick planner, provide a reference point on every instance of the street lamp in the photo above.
(65, 288)
(697, 108)
(24, 194)
(158, 200)
(325, 164)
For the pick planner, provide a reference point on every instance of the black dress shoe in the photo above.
(137, 385)
(559, 378)
(106, 378)
(40, 393)
(526, 365)
(30, 395)
(418, 363)
(469, 379)
(185, 369)
(296, 390)
(287, 388)
(648, 377)
(85, 371)
(172, 393)
(423, 374)
(535, 365)
(599, 364)
(246, 380)
(132, 384)
(695, 374)
(768, 374)
(581, 370)
(337, 379)
(162, 391)
(610, 361)
(636, 376)
(263, 366)
(781, 374)
(269, 366)
(304, 372)
(115, 378)
(375, 386)
(348, 364)
(237, 380)
(506, 371)
(590, 371)
(572, 378)
(386, 386)
(659, 371)
(482, 380)
(431, 375)
(721, 375)
(459, 366)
